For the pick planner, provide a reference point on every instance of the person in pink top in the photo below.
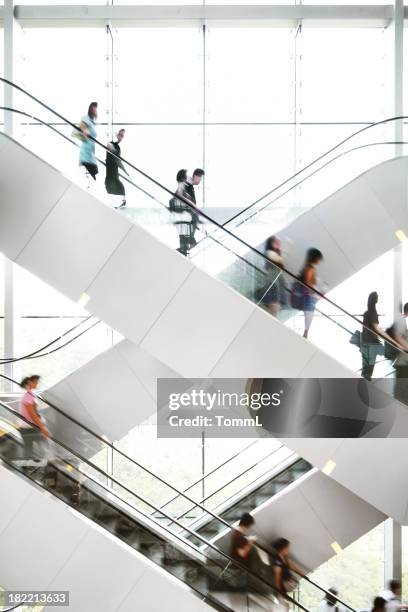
(29, 411)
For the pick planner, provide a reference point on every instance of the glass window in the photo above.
(344, 74)
(158, 75)
(357, 572)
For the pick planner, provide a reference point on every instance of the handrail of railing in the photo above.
(211, 472)
(38, 352)
(111, 492)
(316, 160)
(207, 497)
(263, 257)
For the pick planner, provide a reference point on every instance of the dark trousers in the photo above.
(401, 384)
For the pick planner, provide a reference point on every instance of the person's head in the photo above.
(379, 604)
(331, 596)
(372, 301)
(313, 257)
(120, 135)
(282, 546)
(273, 243)
(246, 521)
(30, 382)
(197, 176)
(93, 110)
(181, 176)
(405, 309)
(395, 587)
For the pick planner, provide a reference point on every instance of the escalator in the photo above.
(262, 477)
(159, 310)
(212, 575)
(175, 308)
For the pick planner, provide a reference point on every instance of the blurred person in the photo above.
(309, 277)
(379, 605)
(392, 596)
(190, 183)
(282, 567)
(184, 218)
(329, 603)
(241, 541)
(399, 333)
(275, 296)
(113, 184)
(371, 345)
(32, 435)
(88, 131)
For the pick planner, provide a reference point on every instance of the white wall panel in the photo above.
(390, 184)
(262, 348)
(29, 189)
(137, 283)
(197, 325)
(74, 242)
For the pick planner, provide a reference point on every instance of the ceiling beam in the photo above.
(190, 15)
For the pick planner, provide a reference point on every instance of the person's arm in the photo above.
(310, 277)
(274, 257)
(295, 568)
(244, 550)
(399, 336)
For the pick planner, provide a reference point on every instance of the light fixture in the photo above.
(401, 235)
(336, 547)
(83, 300)
(329, 467)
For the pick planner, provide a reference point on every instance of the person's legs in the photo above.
(309, 314)
(367, 362)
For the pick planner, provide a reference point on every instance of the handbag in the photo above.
(355, 338)
(77, 133)
(297, 296)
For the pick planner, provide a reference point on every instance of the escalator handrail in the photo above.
(316, 171)
(316, 160)
(205, 499)
(95, 467)
(263, 257)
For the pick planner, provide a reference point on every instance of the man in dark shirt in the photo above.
(192, 182)
(113, 184)
(241, 544)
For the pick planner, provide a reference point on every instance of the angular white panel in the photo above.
(289, 515)
(264, 348)
(63, 396)
(197, 325)
(102, 569)
(308, 231)
(74, 242)
(42, 523)
(29, 189)
(145, 366)
(112, 393)
(346, 516)
(4, 141)
(137, 283)
(14, 494)
(358, 223)
(381, 475)
(389, 182)
(146, 597)
(323, 367)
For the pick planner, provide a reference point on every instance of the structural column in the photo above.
(9, 311)
(398, 52)
(392, 551)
